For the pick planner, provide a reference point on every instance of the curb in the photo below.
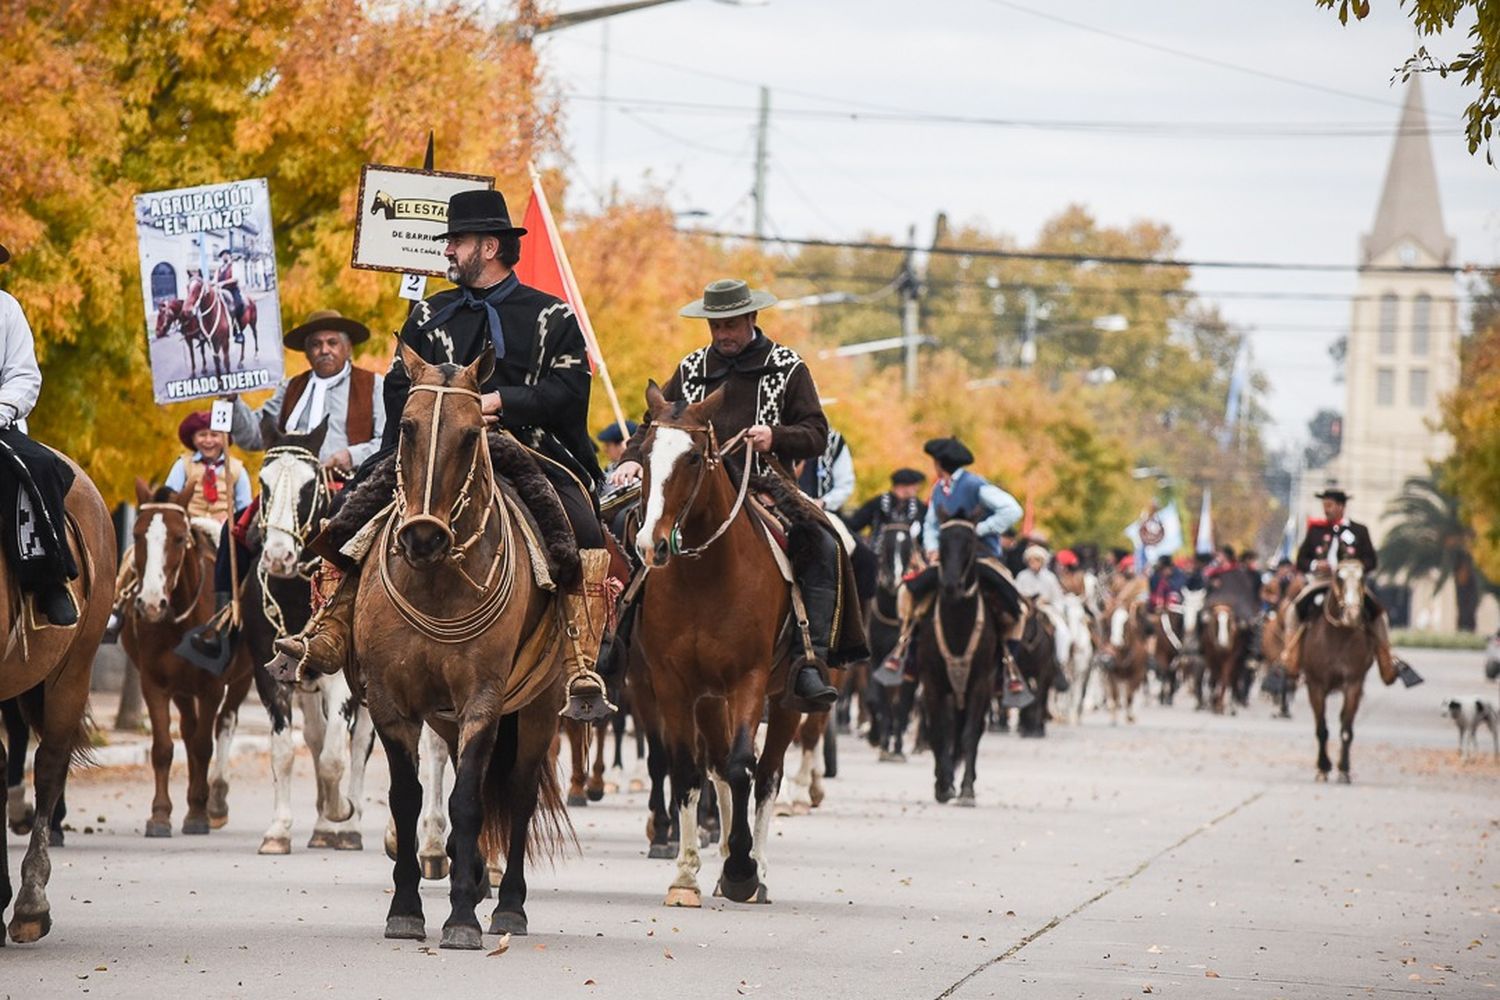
(139, 754)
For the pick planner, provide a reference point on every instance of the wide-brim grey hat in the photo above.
(728, 297)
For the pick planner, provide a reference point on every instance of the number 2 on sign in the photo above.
(413, 286)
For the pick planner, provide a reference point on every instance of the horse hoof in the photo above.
(508, 922)
(1321, 776)
(661, 852)
(26, 930)
(817, 795)
(689, 898)
(320, 840)
(405, 928)
(55, 837)
(435, 869)
(349, 840)
(966, 801)
(801, 808)
(462, 937)
(218, 821)
(21, 825)
(275, 845)
(595, 794)
(575, 800)
(942, 794)
(741, 891)
(636, 785)
(1344, 778)
(158, 828)
(195, 826)
(892, 757)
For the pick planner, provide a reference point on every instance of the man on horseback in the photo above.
(332, 389)
(900, 504)
(829, 478)
(1328, 542)
(538, 391)
(227, 278)
(769, 397)
(33, 480)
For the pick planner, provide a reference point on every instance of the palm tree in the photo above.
(1429, 538)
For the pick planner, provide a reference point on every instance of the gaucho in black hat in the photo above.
(901, 504)
(1330, 541)
(539, 391)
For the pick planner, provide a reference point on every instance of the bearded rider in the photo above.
(1328, 542)
(539, 391)
(769, 395)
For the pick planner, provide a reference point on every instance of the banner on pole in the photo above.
(208, 282)
(400, 211)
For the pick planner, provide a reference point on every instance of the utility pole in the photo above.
(759, 195)
(1028, 333)
(911, 318)
(603, 106)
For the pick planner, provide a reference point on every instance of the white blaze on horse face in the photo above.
(1221, 617)
(1117, 627)
(282, 482)
(667, 450)
(154, 577)
(1192, 606)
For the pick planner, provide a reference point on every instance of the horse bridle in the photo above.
(192, 543)
(456, 551)
(711, 461)
(302, 527)
(1333, 588)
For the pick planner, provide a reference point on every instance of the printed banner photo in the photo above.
(208, 280)
(400, 212)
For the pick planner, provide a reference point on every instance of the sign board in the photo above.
(208, 282)
(400, 212)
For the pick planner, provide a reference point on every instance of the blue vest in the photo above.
(962, 501)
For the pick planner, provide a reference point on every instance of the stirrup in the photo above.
(588, 700)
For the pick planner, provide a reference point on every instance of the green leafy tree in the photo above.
(1429, 539)
(1476, 67)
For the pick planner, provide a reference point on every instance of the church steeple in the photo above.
(1409, 207)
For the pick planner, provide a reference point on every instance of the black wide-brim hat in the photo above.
(481, 212)
(325, 319)
(907, 477)
(1333, 493)
(949, 452)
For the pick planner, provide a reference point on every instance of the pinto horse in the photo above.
(1335, 654)
(709, 561)
(174, 564)
(208, 312)
(47, 670)
(296, 494)
(956, 653)
(453, 629)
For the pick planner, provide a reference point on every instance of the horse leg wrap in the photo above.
(585, 610)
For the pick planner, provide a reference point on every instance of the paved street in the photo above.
(1187, 856)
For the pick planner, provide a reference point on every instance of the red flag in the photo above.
(1028, 519)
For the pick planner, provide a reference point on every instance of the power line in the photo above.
(1089, 258)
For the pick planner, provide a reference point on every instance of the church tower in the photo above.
(1403, 334)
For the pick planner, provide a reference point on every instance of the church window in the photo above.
(1388, 323)
(1385, 387)
(1417, 387)
(1421, 323)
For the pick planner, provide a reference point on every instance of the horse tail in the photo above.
(34, 713)
(501, 802)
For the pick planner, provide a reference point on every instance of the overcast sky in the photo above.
(1229, 197)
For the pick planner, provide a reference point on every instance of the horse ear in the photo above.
(142, 491)
(316, 438)
(483, 368)
(710, 406)
(655, 401)
(185, 495)
(411, 361)
(270, 434)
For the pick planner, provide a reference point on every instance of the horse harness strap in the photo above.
(716, 454)
(961, 664)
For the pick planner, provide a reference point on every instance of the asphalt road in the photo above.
(1187, 855)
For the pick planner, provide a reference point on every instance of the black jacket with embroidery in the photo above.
(543, 379)
(877, 512)
(766, 383)
(1354, 543)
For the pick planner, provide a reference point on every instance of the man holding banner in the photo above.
(539, 391)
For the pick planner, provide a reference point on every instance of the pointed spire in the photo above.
(1409, 206)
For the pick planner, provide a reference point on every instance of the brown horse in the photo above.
(585, 781)
(1335, 654)
(48, 669)
(452, 628)
(174, 566)
(169, 318)
(208, 312)
(709, 562)
(1127, 654)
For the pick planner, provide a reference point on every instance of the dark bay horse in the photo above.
(48, 670)
(895, 550)
(1335, 654)
(452, 628)
(208, 312)
(174, 564)
(1037, 664)
(712, 626)
(170, 318)
(1230, 607)
(956, 652)
(296, 494)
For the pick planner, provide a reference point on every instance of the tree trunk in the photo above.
(1466, 594)
(128, 719)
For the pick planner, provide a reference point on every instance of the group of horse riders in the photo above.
(538, 391)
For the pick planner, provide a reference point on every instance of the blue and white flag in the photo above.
(1205, 544)
(1239, 380)
(1156, 533)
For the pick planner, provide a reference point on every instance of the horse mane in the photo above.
(163, 494)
